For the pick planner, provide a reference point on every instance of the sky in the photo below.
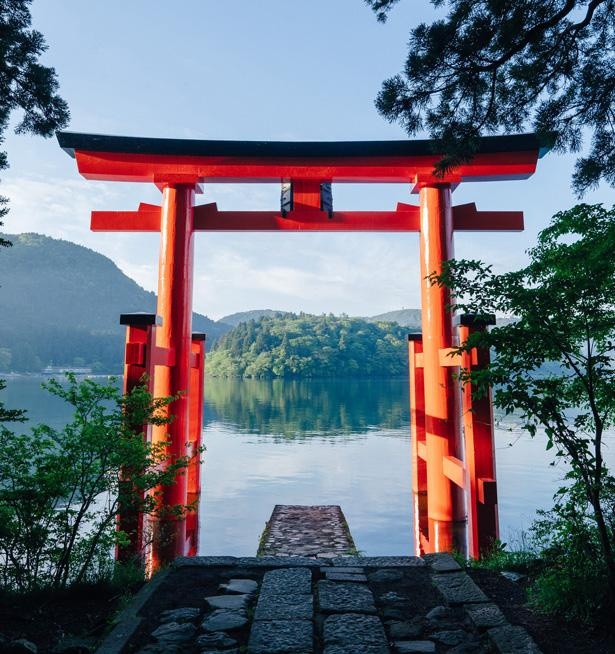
(245, 70)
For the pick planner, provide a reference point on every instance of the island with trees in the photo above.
(303, 345)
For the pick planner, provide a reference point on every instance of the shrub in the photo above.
(61, 489)
(574, 578)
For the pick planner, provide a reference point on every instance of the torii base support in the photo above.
(142, 359)
(474, 474)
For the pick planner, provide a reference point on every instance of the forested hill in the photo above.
(60, 304)
(234, 319)
(304, 345)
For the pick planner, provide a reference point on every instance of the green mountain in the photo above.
(293, 346)
(60, 304)
(410, 318)
(234, 319)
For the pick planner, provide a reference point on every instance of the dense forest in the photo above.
(303, 345)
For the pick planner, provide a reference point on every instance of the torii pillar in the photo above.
(436, 246)
(175, 309)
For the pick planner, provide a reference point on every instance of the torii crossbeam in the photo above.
(454, 467)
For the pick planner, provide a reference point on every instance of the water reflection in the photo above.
(300, 409)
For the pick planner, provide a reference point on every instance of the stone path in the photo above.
(319, 531)
(300, 605)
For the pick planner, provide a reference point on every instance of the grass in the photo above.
(522, 557)
(262, 541)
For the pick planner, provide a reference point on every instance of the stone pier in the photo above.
(313, 531)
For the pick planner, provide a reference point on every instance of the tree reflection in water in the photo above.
(300, 409)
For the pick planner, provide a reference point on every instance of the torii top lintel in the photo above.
(305, 167)
(134, 159)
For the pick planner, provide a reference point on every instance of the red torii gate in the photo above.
(452, 438)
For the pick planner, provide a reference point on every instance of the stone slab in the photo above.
(245, 562)
(278, 562)
(240, 586)
(174, 632)
(442, 562)
(404, 630)
(355, 649)
(379, 561)
(215, 641)
(284, 607)
(159, 648)
(204, 561)
(450, 637)
(343, 570)
(233, 602)
(295, 581)
(344, 597)
(509, 639)
(224, 620)
(281, 637)
(485, 616)
(354, 634)
(386, 576)
(342, 576)
(185, 614)
(414, 647)
(458, 588)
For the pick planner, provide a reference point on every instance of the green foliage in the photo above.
(565, 314)
(61, 489)
(574, 579)
(523, 558)
(499, 66)
(25, 84)
(9, 415)
(293, 346)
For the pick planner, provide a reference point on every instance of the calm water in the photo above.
(340, 442)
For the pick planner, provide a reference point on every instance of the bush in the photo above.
(61, 490)
(574, 578)
(563, 558)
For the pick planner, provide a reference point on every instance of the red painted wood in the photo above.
(417, 433)
(436, 246)
(454, 469)
(110, 166)
(479, 446)
(175, 308)
(207, 218)
(196, 399)
(140, 341)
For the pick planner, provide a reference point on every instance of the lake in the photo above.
(343, 442)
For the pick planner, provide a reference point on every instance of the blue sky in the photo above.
(240, 69)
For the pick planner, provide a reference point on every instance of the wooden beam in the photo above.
(454, 469)
(467, 219)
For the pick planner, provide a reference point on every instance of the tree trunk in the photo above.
(607, 548)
